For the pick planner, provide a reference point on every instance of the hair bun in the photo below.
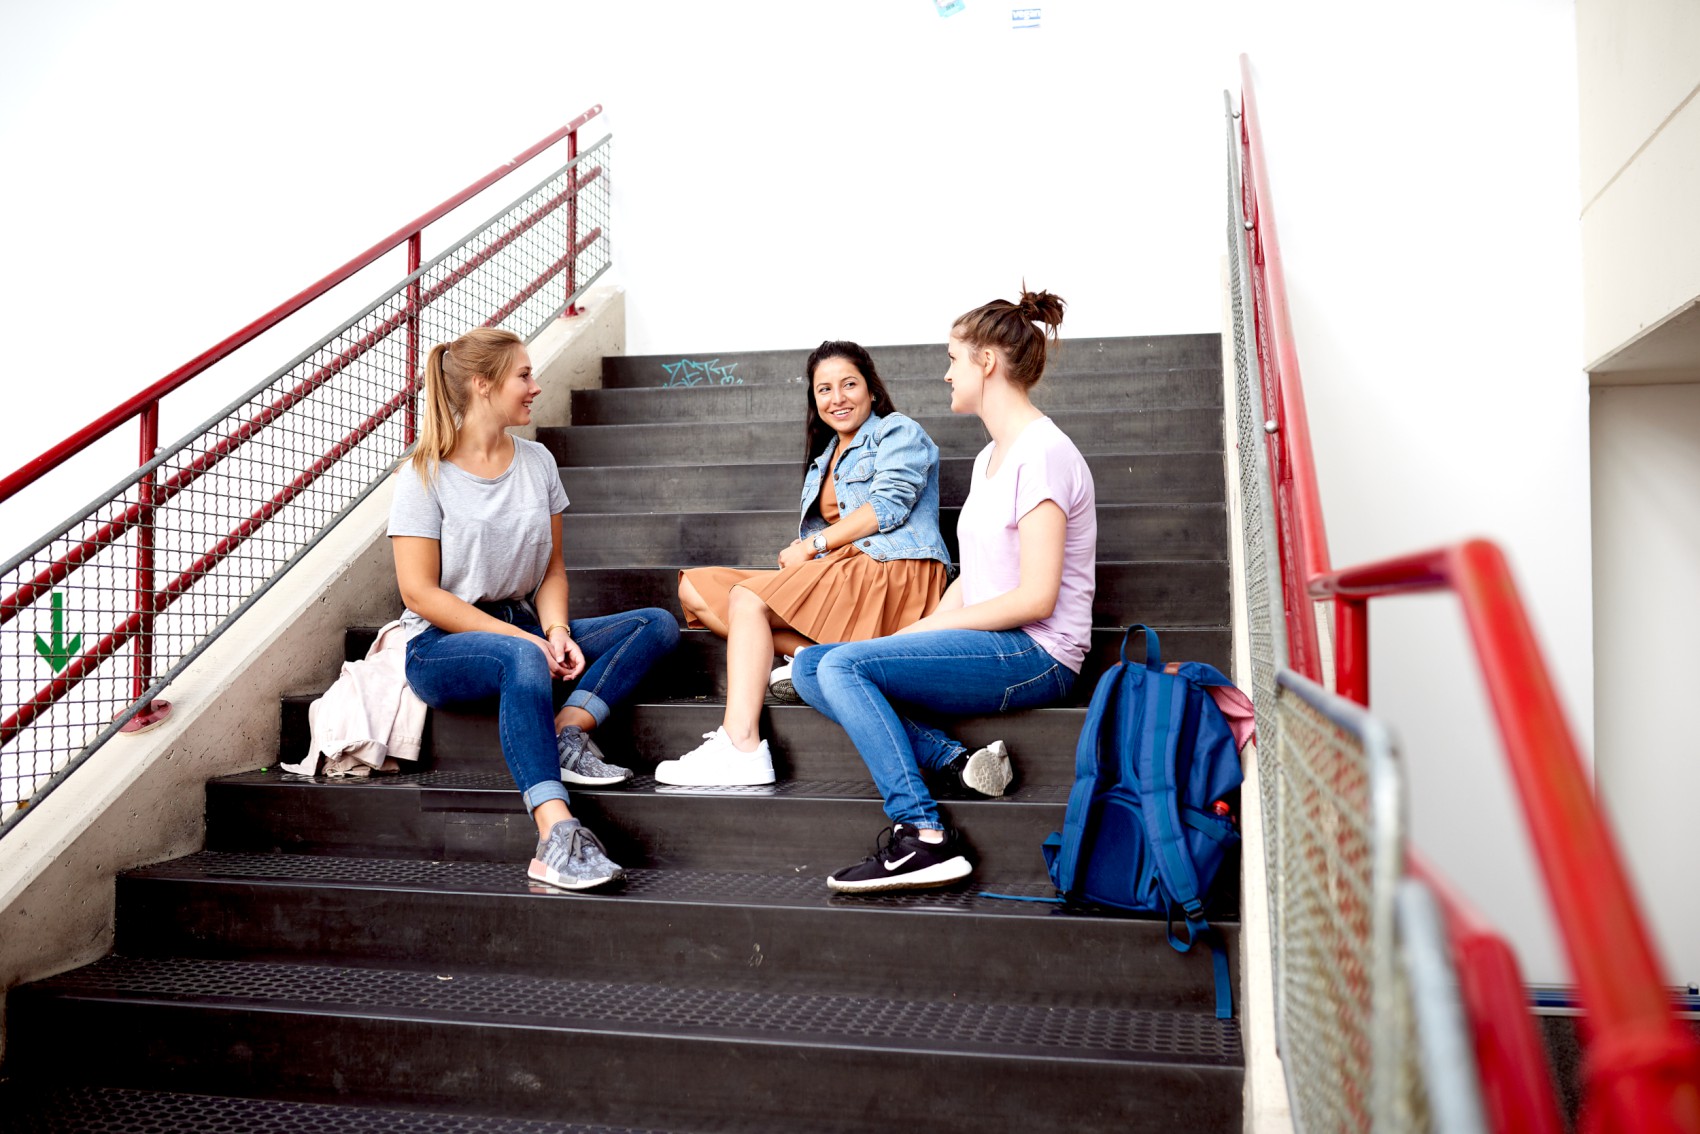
(1042, 307)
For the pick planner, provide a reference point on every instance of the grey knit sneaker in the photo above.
(582, 762)
(572, 858)
(987, 771)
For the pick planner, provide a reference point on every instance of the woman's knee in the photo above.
(660, 628)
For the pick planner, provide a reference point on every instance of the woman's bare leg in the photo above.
(691, 602)
(787, 641)
(749, 662)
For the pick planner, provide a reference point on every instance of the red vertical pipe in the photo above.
(572, 221)
(142, 675)
(1351, 649)
(410, 423)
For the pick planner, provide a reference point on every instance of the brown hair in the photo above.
(816, 431)
(1015, 331)
(449, 370)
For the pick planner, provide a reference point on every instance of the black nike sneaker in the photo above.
(903, 862)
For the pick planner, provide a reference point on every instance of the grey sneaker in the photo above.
(779, 685)
(987, 771)
(582, 762)
(572, 858)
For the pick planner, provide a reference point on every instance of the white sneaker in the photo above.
(717, 762)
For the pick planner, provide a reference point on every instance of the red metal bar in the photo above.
(143, 669)
(410, 428)
(1517, 1089)
(131, 626)
(1643, 1065)
(1351, 649)
(58, 454)
(572, 229)
(1302, 537)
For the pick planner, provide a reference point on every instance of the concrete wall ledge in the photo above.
(140, 799)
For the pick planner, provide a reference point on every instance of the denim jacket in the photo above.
(894, 465)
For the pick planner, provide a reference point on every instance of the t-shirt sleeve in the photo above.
(549, 474)
(414, 511)
(1048, 474)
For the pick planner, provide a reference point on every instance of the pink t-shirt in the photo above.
(1042, 464)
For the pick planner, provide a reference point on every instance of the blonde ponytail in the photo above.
(449, 370)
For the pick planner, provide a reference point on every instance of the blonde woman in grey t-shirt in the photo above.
(475, 527)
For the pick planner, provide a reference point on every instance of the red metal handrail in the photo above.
(151, 495)
(1643, 1066)
(409, 233)
(1300, 536)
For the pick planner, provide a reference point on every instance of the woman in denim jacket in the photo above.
(867, 561)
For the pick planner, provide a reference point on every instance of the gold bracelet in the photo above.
(562, 625)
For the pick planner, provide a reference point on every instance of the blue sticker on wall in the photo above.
(1020, 18)
(689, 372)
(948, 7)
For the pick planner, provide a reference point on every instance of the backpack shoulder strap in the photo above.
(1100, 715)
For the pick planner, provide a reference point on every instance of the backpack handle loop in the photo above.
(1153, 653)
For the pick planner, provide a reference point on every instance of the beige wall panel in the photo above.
(1646, 459)
(1637, 61)
(1641, 241)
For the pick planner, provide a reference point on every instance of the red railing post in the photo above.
(141, 677)
(1351, 649)
(572, 222)
(410, 425)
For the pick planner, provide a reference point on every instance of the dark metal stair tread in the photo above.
(501, 782)
(1052, 1031)
(119, 1110)
(675, 886)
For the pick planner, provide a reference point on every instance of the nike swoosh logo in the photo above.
(899, 862)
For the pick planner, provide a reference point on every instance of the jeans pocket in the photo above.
(1043, 689)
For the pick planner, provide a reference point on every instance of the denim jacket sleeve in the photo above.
(903, 457)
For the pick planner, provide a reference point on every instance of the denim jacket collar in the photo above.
(862, 434)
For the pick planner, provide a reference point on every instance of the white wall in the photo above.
(866, 169)
(1646, 461)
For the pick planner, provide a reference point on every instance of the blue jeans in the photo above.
(959, 672)
(446, 669)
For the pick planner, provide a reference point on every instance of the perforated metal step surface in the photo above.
(1057, 1031)
(92, 1110)
(694, 886)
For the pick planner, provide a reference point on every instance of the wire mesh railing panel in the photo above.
(1264, 628)
(1439, 1087)
(96, 619)
(1341, 838)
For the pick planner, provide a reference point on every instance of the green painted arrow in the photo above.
(60, 653)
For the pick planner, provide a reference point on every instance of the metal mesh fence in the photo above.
(1341, 836)
(97, 618)
(1257, 526)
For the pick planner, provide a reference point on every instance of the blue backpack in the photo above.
(1148, 822)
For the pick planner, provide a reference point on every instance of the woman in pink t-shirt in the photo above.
(1009, 634)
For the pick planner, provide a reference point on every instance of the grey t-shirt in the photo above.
(493, 531)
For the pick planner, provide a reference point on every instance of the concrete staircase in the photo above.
(370, 956)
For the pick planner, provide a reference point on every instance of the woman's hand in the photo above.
(797, 552)
(566, 660)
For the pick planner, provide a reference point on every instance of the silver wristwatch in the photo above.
(819, 542)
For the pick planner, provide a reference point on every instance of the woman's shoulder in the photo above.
(896, 424)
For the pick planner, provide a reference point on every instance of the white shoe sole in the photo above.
(988, 771)
(745, 773)
(538, 871)
(582, 780)
(938, 874)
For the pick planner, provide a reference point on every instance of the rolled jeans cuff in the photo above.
(538, 794)
(590, 703)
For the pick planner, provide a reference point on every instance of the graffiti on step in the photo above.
(688, 372)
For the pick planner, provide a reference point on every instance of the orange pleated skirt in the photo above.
(844, 596)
